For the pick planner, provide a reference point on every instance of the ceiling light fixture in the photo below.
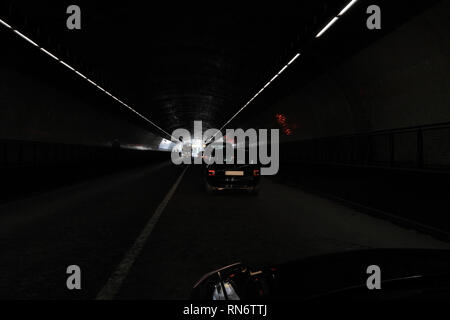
(348, 6)
(321, 32)
(332, 21)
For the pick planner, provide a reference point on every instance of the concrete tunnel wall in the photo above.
(402, 80)
(41, 100)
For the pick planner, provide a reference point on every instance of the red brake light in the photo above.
(256, 172)
(211, 172)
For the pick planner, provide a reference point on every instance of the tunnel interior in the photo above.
(363, 116)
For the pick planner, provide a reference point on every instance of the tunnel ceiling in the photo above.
(176, 64)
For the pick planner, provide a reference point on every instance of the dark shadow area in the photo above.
(402, 171)
(28, 168)
(418, 196)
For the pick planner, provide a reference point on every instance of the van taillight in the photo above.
(211, 172)
(256, 172)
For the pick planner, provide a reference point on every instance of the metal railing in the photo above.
(418, 147)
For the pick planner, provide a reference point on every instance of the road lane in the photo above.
(114, 283)
(200, 232)
(91, 224)
(94, 225)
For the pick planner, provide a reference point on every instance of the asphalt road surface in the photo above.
(151, 233)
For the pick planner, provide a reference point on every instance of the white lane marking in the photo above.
(115, 281)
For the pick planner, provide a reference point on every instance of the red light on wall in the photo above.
(281, 118)
(211, 172)
(256, 172)
(287, 128)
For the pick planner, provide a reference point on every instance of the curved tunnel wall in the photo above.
(32, 110)
(41, 100)
(401, 80)
(374, 132)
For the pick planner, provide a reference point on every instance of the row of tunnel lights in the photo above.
(320, 33)
(80, 74)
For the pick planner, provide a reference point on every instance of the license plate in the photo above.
(234, 173)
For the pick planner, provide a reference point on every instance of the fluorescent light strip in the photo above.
(274, 77)
(27, 39)
(66, 65)
(49, 54)
(260, 91)
(93, 83)
(5, 24)
(343, 11)
(348, 6)
(282, 69)
(327, 27)
(293, 59)
(83, 76)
